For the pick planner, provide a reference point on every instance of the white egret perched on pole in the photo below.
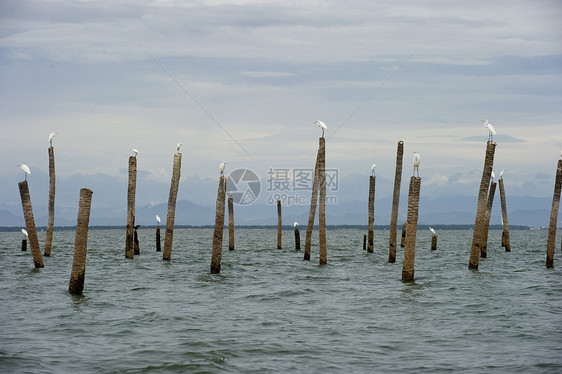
(491, 131)
(51, 136)
(135, 151)
(501, 173)
(24, 232)
(178, 146)
(493, 175)
(432, 231)
(322, 125)
(373, 167)
(221, 167)
(158, 218)
(25, 169)
(295, 224)
(416, 163)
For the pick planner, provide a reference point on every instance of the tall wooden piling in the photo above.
(403, 237)
(131, 190)
(479, 222)
(411, 229)
(30, 224)
(76, 284)
(395, 203)
(230, 224)
(51, 219)
(170, 217)
(370, 242)
(551, 242)
(322, 202)
(219, 227)
(488, 214)
(505, 233)
(312, 213)
(158, 244)
(297, 239)
(279, 224)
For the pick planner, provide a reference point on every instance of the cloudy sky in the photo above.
(243, 81)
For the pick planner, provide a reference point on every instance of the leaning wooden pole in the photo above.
(279, 224)
(230, 224)
(170, 217)
(371, 233)
(505, 233)
(131, 190)
(487, 216)
(322, 202)
(411, 230)
(30, 224)
(395, 203)
(51, 219)
(481, 208)
(76, 284)
(551, 242)
(312, 214)
(219, 228)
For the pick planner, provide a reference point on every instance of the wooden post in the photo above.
(30, 224)
(312, 214)
(481, 208)
(505, 233)
(219, 227)
(136, 241)
(371, 233)
(279, 224)
(129, 240)
(322, 202)
(297, 239)
(24, 245)
(51, 219)
(403, 238)
(411, 230)
(364, 242)
(158, 244)
(76, 284)
(170, 217)
(395, 203)
(488, 214)
(551, 242)
(434, 243)
(230, 224)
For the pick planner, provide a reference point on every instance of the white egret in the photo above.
(158, 218)
(51, 136)
(321, 125)
(493, 175)
(24, 232)
(432, 231)
(295, 224)
(135, 151)
(416, 163)
(501, 173)
(491, 131)
(373, 167)
(221, 167)
(178, 146)
(230, 194)
(25, 169)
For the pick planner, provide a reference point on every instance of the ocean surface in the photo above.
(271, 312)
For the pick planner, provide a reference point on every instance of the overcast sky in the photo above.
(243, 81)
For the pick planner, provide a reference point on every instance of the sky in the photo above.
(244, 81)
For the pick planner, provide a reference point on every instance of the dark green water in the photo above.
(270, 311)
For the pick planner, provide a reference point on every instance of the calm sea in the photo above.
(271, 312)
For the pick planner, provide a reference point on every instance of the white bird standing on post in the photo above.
(25, 169)
(135, 151)
(178, 146)
(432, 231)
(24, 232)
(295, 224)
(51, 136)
(322, 125)
(373, 167)
(221, 167)
(416, 163)
(501, 173)
(493, 175)
(491, 131)
(157, 218)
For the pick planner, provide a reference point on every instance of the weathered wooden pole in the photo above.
(158, 244)
(30, 224)
(505, 233)
(279, 224)
(170, 217)
(297, 239)
(131, 190)
(51, 219)
(434, 242)
(219, 227)
(136, 241)
(395, 203)
(479, 222)
(230, 224)
(24, 245)
(411, 230)
(312, 214)
(551, 242)
(370, 241)
(322, 203)
(364, 242)
(488, 214)
(403, 238)
(76, 284)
